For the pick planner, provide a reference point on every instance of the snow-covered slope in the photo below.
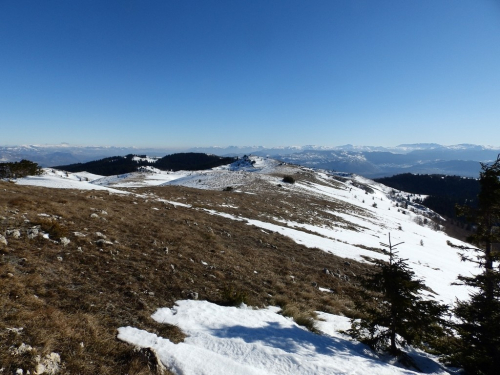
(54, 178)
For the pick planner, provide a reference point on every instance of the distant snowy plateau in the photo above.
(244, 340)
(368, 161)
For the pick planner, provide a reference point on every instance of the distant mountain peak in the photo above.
(420, 146)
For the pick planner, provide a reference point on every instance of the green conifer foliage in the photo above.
(394, 312)
(477, 348)
(19, 169)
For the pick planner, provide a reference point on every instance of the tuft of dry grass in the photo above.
(232, 297)
(301, 316)
(52, 227)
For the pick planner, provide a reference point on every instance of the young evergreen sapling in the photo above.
(394, 312)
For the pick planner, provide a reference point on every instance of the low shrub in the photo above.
(232, 297)
(53, 228)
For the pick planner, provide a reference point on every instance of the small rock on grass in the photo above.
(32, 232)
(64, 241)
(102, 242)
(14, 233)
(192, 295)
(50, 364)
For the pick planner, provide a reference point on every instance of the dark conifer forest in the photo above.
(126, 164)
(444, 192)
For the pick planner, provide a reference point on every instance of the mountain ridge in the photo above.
(369, 161)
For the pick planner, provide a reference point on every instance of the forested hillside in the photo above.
(191, 161)
(444, 192)
(130, 163)
(105, 167)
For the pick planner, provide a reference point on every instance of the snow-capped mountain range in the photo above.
(369, 161)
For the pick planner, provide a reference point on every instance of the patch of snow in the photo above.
(52, 178)
(236, 341)
(146, 159)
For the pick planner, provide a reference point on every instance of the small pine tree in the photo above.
(477, 348)
(394, 313)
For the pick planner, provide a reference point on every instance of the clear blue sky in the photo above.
(205, 73)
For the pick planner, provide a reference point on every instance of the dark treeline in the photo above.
(444, 192)
(191, 161)
(19, 169)
(105, 167)
(126, 164)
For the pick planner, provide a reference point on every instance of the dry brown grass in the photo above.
(71, 299)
